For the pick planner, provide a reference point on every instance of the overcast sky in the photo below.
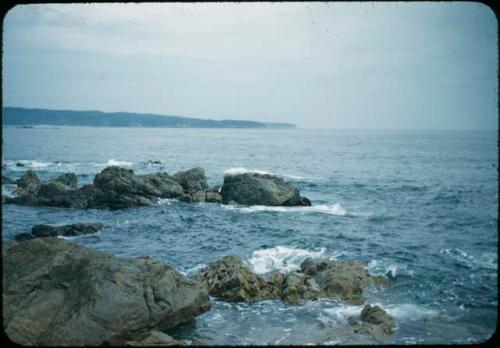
(318, 65)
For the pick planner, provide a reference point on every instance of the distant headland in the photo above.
(14, 116)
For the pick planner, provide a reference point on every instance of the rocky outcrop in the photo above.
(22, 237)
(116, 188)
(79, 229)
(260, 189)
(375, 323)
(231, 280)
(60, 293)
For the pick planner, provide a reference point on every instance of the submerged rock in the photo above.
(260, 189)
(41, 231)
(60, 293)
(231, 280)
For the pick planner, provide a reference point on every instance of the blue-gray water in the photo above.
(418, 206)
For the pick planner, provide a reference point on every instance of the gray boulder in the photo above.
(28, 183)
(231, 280)
(41, 231)
(22, 237)
(192, 180)
(60, 293)
(375, 315)
(260, 189)
(69, 180)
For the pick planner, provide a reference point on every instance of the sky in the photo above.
(350, 65)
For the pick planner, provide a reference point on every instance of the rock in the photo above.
(29, 182)
(7, 181)
(154, 339)
(41, 231)
(22, 237)
(260, 189)
(192, 180)
(19, 164)
(60, 293)
(120, 188)
(69, 180)
(343, 280)
(375, 315)
(213, 197)
(231, 280)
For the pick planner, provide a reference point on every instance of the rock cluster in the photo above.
(375, 322)
(231, 280)
(60, 293)
(116, 187)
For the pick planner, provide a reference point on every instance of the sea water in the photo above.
(419, 207)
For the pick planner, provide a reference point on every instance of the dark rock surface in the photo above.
(154, 339)
(375, 323)
(60, 293)
(28, 183)
(42, 230)
(7, 181)
(22, 237)
(260, 189)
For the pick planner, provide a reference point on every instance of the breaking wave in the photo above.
(281, 258)
(332, 209)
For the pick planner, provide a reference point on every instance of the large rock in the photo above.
(231, 280)
(79, 229)
(28, 183)
(60, 293)
(260, 189)
(192, 180)
(120, 188)
(375, 323)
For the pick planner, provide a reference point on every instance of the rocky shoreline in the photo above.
(57, 292)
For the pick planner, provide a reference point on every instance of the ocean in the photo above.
(420, 207)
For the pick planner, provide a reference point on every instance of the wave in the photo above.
(281, 258)
(22, 165)
(166, 201)
(241, 170)
(390, 270)
(113, 162)
(485, 260)
(332, 209)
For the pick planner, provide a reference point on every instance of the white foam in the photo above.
(385, 268)
(113, 162)
(241, 170)
(409, 311)
(166, 201)
(332, 209)
(281, 258)
(485, 260)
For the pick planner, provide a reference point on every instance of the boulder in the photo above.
(69, 180)
(192, 180)
(29, 182)
(260, 189)
(375, 315)
(154, 339)
(231, 280)
(41, 231)
(60, 293)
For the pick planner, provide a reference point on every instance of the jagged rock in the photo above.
(41, 231)
(154, 339)
(28, 183)
(68, 179)
(375, 315)
(213, 197)
(260, 189)
(59, 293)
(192, 180)
(231, 280)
